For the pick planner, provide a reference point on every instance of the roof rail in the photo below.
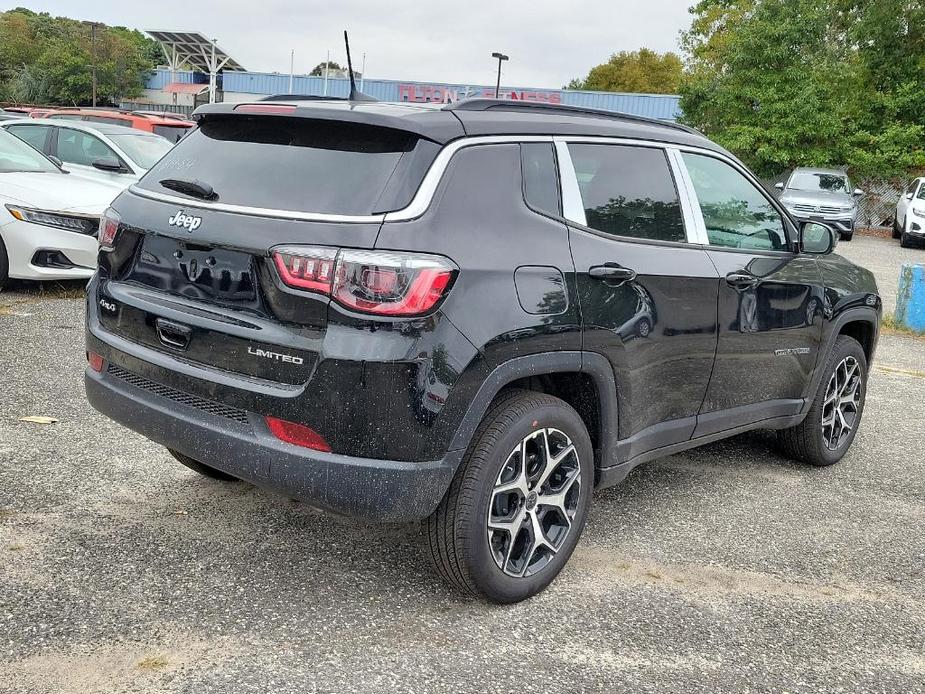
(301, 97)
(542, 106)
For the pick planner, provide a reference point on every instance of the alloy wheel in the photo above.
(534, 502)
(841, 404)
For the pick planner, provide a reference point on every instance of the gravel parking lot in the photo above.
(728, 568)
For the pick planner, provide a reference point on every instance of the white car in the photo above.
(110, 153)
(48, 218)
(909, 222)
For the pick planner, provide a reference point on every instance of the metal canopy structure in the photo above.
(190, 48)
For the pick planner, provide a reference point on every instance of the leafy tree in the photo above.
(318, 70)
(45, 59)
(642, 71)
(785, 83)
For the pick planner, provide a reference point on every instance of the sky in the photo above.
(549, 41)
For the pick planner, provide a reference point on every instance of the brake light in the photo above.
(383, 283)
(297, 434)
(306, 268)
(109, 227)
(277, 109)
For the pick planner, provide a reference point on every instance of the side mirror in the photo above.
(858, 192)
(109, 164)
(779, 185)
(817, 238)
(57, 162)
(908, 196)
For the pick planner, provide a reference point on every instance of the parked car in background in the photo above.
(30, 111)
(171, 128)
(49, 219)
(825, 195)
(909, 221)
(8, 115)
(303, 295)
(110, 153)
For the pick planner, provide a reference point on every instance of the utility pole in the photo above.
(501, 58)
(291, 67)
(93, 57)
(327, 64)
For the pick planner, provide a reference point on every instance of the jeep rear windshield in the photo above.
(297, 164)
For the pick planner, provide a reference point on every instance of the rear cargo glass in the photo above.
(287, 164)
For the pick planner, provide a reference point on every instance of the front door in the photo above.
(78, 150)
(770, 300)
(647, 295)
(902, 206)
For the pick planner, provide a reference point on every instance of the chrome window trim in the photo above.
(573, 208)
(424, 196)
(255, 211)
(690, 205)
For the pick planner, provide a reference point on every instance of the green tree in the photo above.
(318, 70)
(785, 83)
(642, 71)
(45, 59)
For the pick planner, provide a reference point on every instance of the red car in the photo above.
(171, 127)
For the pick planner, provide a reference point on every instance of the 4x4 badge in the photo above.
(185, 221)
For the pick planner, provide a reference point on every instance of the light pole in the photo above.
(501, 58)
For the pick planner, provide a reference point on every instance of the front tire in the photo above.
(847, 237)
(904, 240)
(826, 434)
(202, 468)
(518, 503)
(4, 266)
(897, 232)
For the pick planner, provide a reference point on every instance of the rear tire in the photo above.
(483, 536)
(826, 434)
(202, 468)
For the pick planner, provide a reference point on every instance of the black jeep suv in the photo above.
(475, 314)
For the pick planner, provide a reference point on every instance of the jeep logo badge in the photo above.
(185, 221)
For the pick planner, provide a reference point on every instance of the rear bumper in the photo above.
(381, 490)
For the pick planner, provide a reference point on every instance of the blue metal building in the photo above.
(245, 86)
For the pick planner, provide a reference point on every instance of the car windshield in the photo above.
(144, 150)
(16, 155)
(832, 183)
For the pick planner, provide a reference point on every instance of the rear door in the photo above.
(771, 298)
(647, 294)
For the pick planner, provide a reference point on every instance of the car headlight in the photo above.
(76, 223)
(919, 212)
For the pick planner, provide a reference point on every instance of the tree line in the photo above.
(784, 83)
(49, 60)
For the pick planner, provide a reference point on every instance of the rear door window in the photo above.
(541, 180)
(288, 164)
(77, 147)
(35, 135)
(628, 191)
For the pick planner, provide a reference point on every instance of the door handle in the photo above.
(612, 273)
(741, 280)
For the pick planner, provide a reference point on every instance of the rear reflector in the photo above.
(383, 283)
(297, 434)
(96, 361)
(278, 109)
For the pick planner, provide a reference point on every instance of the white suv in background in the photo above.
(49, 219)
(110, 153)
(909, 221)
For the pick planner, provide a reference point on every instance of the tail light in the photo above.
(383, 283)
(109, 227)
(95, 360)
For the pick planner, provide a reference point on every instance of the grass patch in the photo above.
(152, 662)
(889, 324)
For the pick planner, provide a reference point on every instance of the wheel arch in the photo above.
(860, 323)
(563, 374)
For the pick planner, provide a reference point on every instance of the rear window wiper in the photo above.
(196, 188)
